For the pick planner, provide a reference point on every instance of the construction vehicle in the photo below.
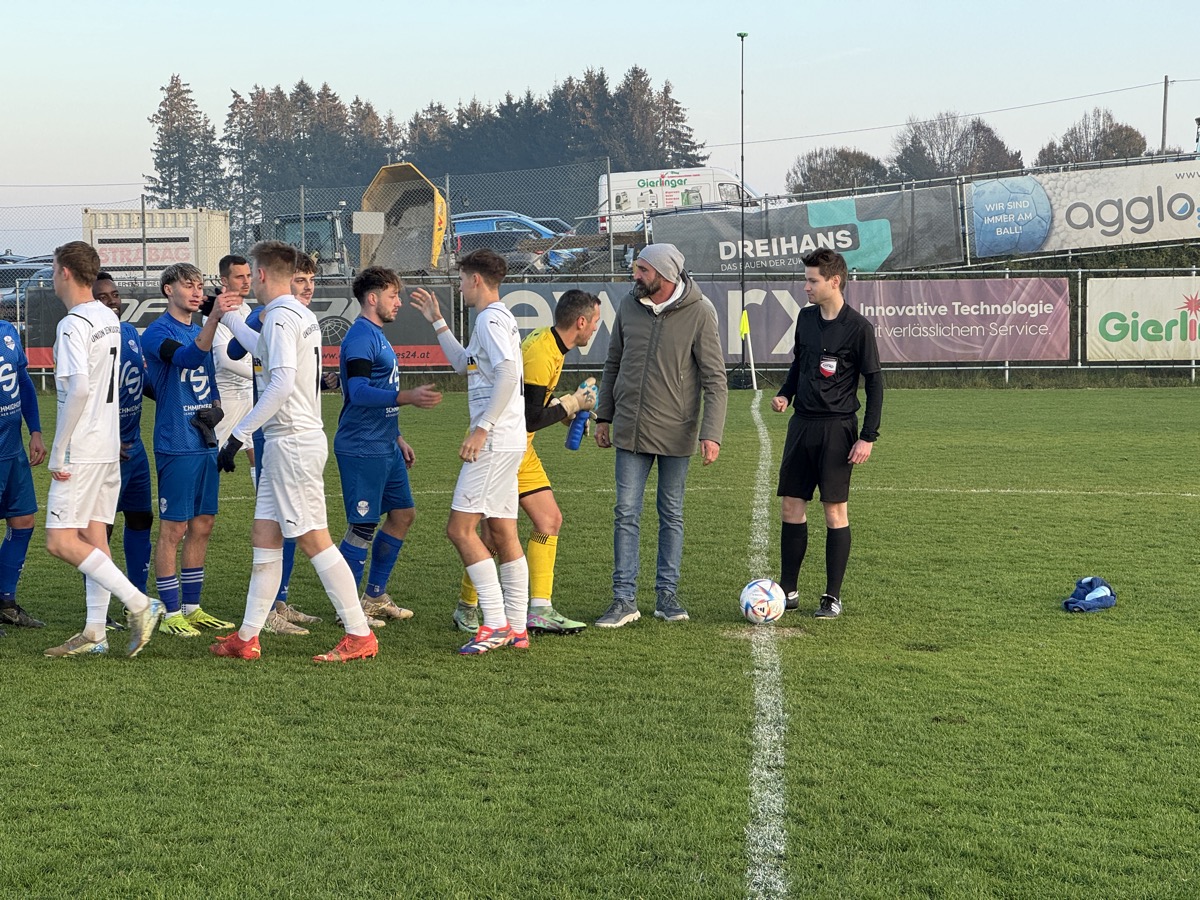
(401, 225)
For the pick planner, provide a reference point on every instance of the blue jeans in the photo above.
(632, 471)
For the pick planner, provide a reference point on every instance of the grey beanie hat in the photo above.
(665, 259)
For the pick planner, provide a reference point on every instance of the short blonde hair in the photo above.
(276, 257)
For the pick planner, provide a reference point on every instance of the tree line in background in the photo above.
(949, 145)
(276, 140)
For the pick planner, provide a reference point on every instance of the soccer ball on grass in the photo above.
(762, 601)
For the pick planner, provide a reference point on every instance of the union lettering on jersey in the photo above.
(88, 342)
(291, 339)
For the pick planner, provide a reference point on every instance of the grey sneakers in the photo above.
(622, 612)
(669, 609)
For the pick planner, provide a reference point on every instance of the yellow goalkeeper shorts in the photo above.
(531, 477)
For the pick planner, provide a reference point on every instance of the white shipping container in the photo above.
(196, 236)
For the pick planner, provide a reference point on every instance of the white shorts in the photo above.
(291, 488)
(89, 495)
(235, 408)
(489, 485)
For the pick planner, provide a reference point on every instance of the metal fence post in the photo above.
(144, 276)
(966, 229)
(303, 249)
(1079, 337)
(612, 252)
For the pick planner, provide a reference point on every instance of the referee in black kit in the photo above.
(834, 345)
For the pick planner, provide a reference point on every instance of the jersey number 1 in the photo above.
(112, 375)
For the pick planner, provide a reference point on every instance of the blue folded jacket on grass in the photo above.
(1090, 594)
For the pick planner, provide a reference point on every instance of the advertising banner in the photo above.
(961, 320)
(334, 306)
(1138, 319)
(771, 308)
(1108, 207)
(967, 321)
(877, 232)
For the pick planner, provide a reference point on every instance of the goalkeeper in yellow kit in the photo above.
(576, 319)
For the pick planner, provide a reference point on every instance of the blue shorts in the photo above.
(372, 486)
(135, 493)
(187, 485)
(16, 497)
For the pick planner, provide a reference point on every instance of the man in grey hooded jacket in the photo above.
(664, 388)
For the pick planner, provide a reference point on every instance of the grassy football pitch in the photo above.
(953, 734)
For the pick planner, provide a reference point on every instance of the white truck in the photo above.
(639, 193)
(127, 246)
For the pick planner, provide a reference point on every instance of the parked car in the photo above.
(512, 228)
(14, 278)
(6, 258)
(558, 226)
(502, 242)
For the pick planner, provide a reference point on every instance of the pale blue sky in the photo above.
(79, 88)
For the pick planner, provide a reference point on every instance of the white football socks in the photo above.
(99, 567)
(514, 579)
(339, 584)
(487, 586)
(97, 609)
(266, 573)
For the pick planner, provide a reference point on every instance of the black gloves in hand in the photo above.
(205, 421)
(228, 453)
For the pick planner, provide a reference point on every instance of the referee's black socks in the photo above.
(837, 554)
(793, 544)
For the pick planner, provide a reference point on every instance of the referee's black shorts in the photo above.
(817, 455)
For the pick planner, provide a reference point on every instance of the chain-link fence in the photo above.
(538, 219)
(545, 222)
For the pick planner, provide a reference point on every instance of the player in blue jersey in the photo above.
(284, 618)
(135, 498)
(372, 456)
(179, 364)
(18, 400)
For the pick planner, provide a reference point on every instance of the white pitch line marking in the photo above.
(766, 833)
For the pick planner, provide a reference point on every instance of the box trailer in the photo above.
(639, 193)
(128, 246)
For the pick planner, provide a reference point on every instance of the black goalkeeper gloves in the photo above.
(228, 454)
(205, 421)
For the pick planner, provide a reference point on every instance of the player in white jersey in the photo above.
(234, 376)
(491, 453)
(291, 491)
(85, 457)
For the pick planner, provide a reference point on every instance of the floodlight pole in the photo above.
(742, 187)
(1162, 147)
(742, 35)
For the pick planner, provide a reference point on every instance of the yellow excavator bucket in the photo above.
(415, 218)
